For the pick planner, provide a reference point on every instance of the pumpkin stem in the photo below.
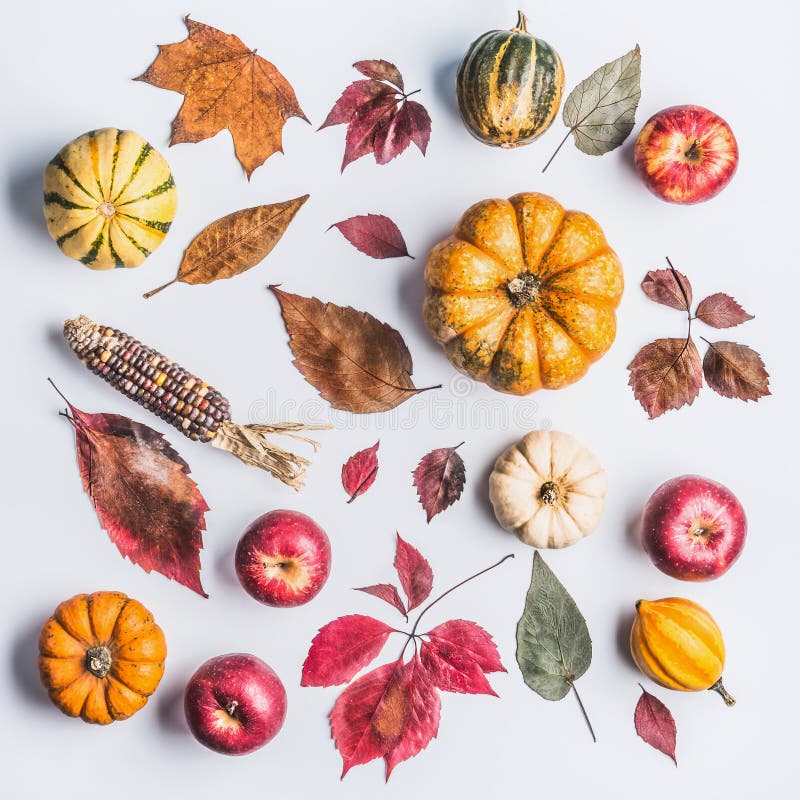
(98, 660)
(723, 692)
(523, 289)
(549, 493)
(522, 24)
(106, 209)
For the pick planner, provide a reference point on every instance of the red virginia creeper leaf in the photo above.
(392, 139)
(439, 479)
(735, 370)
(654, 723)
(662, 286)
(356, 95)
(419, 123)
(144, 498)
(373, 234)
(380, 70)
(363, 126)
(360, 470)
(666, 374)
(343, 648)
(388, 593)
(458, 654)
(415, 573)
(721, 311)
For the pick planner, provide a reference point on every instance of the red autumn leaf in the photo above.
(356, 95)
(373, 234)
(721, 311)
(142, 493)
(360, 470)
(380, 70)
(418, 122)
(364, 123)
(457, 656)
(343, 648)
(392, 712)
(388, 593)
(668, 287)
(735, 370)
(655, 724)
(666, 374)
(439, 479)
(415, 573)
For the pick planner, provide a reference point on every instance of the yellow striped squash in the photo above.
(109, 199)
(509, 86)
(676, 643)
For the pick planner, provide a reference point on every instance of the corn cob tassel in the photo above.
(183, 400)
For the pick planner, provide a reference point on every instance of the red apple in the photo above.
(283, 559)
(693, 528)
(686, 154)
(235, 704)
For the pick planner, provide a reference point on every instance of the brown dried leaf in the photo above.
(668, 287)
(666, 374)
(233, 244)
(721, 311)
(356, 362)
(735, 370)
(225, 85)
(380, 70)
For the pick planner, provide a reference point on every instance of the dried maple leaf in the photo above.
(225, 85)
(360, 470)
(720, 310)
(343, 648)
(655, 724)
(380, 118)
(668, 287)
(666, 374)
(415, 573)
(356, 362)
(439, 479)
(388, 593)
(233, 244)
(374, 235)
(142, 493)
(735, 370)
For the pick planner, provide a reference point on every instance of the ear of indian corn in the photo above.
(182, 399)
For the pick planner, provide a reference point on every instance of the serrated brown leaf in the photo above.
(664, 286)
(380, 70)
(655, 724)
(356, 362)
(735, 370)
(233, 244)
(720, 310)
(374, 235)
(225, 84)
(142, 493)
(439, 479)
(666, 374)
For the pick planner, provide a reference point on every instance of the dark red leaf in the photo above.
(373, 234)
(141, 489)
(458, 654)
(666, 374)
(415, 573)
(735, 370)
(418, 122)
(380, 70)
(654, 723)
(387, 592)
(721, 311)
(355, 96)
(439, 479)
(360, 470)
(343, 648)
(664, 286)
(364, 124)
(392, 139)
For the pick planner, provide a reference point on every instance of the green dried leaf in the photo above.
(553, 644)
(600, 111)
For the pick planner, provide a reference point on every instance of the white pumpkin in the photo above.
(548, 489)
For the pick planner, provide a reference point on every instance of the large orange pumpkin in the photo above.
(523, 294)
(101, 656)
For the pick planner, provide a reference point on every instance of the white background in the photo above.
(67, 69)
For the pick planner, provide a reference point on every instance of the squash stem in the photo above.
(583, 711)
(723, 692)
(159, 288)
(522, 23)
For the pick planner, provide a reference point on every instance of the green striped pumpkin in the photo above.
(509, 86)
(109, 199)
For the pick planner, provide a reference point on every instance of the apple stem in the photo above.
(723, 692)
(231, 707)
(583, 711)
(693, 153)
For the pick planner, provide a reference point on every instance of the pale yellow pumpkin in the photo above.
(109, 199)
(548, 489)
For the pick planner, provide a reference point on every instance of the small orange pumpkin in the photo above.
(101, 656)
(523, 295)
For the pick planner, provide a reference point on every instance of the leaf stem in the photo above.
(583, 710)
(160, 288)
(406, 96)
(563, 141)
